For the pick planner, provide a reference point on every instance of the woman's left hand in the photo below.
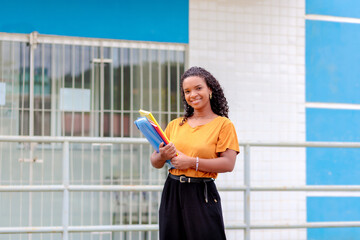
(182, 161)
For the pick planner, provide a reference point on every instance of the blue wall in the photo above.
(332, 62)
(159, 20)
(338, 8)
(333, 76)
(333, 166)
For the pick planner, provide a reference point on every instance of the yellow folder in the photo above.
(150, 117)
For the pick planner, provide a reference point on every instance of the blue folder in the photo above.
(150, 134)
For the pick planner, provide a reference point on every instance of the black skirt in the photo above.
(186, 214)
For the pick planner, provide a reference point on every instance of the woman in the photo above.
(203, 144)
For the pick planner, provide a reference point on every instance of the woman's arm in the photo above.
(158, 159)
(224, 163)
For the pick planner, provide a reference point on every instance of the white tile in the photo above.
(257, 49)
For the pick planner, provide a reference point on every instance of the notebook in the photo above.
(153, 134)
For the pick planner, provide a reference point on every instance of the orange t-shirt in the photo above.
(205, 141)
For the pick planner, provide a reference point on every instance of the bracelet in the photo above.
(197, 164)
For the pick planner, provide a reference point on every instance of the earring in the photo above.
(210, 95)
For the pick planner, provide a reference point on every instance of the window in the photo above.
(87, 89)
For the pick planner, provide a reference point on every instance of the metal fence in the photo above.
(66, 188)
(82, 87)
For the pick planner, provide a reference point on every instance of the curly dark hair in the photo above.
(218, 102)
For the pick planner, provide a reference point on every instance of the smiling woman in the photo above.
(203, 144)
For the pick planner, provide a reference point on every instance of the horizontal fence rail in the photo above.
(158, 188)
(109, 140)
(247, 188)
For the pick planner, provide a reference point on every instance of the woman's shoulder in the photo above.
(175, 121)
(224, 120)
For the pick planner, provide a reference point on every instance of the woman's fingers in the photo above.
(167, 151)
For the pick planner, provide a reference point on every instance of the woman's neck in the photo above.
(198, 114)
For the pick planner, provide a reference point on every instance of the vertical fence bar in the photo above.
(62, 82)
(111, 66)
(31, 93)
(66, 199)
(82, 145)
(150, 79)
(131, 61)
(247, 192)
(92, 111)
(53, 92)
(12, 108)
(121, 178)
(72, 56)
(52, 182)
(42, 127)
(168, 86)
(102, 90)
(178, 93)
(31, 119)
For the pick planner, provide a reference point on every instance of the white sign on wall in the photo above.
(2, 93)
(74, 99)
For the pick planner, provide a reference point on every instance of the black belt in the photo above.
(184, 179)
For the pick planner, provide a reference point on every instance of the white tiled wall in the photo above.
(256, 49)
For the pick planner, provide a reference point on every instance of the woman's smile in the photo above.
(196, 101)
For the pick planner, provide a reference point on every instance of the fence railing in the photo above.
(246, 188)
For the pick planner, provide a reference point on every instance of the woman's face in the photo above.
(196, 92)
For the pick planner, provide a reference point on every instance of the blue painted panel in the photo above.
(329, 166)
(322, 209)
(339, 8)
(332, 62)
(332, 125)
(333, 233)
(160, 20)
(332, 209)
(332, 166)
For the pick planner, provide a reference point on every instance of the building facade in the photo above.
(289, 70)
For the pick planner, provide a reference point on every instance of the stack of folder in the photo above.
(152, 131)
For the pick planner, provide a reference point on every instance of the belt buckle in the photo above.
(183, 179)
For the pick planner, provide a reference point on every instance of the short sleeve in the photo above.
(227, 138)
